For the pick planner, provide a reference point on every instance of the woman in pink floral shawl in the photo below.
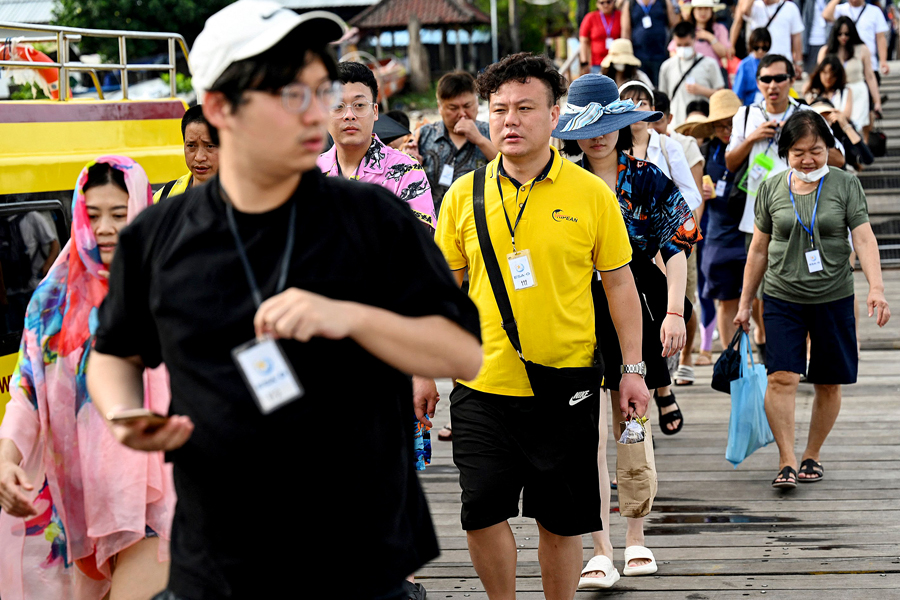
(83, 516)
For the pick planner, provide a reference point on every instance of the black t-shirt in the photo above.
(324, 486)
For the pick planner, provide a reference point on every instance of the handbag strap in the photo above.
(490, 262)
(745, 350)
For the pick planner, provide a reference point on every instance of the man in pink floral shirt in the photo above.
(359, 154)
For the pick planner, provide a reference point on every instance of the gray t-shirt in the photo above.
(37, 233)
(842, 206)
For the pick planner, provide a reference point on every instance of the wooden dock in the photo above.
(719, 532)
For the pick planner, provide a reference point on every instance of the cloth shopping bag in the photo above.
(748, 429)
(636, 475)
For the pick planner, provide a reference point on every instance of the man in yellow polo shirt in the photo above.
(201, 154)
(504, 437)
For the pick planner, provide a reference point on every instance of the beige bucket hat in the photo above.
(621, 52)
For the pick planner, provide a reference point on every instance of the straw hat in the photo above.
(593, 109)
(724, 104)
(689, 125)
(622, 53)
(823, 107)
(688, 6)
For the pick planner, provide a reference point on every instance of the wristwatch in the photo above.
(638, 369)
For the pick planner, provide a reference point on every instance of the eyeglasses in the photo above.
(760, 49)
(359, 108)
(296, 97)
(780, 78)
(723, 125)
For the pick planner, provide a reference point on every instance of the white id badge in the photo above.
(267, 373)
(609, 43)
(520, 268)
(446, 176)
(720, 188)
(814, 261)
(647, 21)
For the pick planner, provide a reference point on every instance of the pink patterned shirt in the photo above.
(392, 170)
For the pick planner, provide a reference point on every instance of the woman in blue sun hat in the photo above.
(596, 124)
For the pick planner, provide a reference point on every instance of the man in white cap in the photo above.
(260, 291)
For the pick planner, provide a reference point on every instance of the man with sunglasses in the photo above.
(359, 154)
(266, 294)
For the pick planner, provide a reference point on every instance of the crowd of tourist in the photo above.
(567, 250)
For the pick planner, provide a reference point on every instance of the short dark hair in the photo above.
(454, 84)
(521, 67)
(275, 68)
(801, 124)
(102, 173)
(399, 116)
(193, 115)
(770, 59)
(354, 72)
(661, 102)
(623, 143)
(685, 29)
(700, 106)
(760, 35)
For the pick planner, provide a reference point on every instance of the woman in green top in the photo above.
(800, 244)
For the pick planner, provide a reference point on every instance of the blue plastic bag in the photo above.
(749, 428)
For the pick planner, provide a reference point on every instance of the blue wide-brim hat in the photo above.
(593, 109)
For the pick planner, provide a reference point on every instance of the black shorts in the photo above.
(507, 446)
(831, 326)
(724, 280)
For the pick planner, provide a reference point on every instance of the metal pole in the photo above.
(495, 51)
(63, 84)
(172, 72)
(123, 60)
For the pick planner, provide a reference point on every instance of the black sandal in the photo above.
(813, 471)
(666, 419)
(788, 478)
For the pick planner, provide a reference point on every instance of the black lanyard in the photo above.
(509, 225)
(242, 252)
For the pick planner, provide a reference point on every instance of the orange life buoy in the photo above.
(27, 53)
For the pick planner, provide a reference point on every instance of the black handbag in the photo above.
(728, 367)
(555, 386)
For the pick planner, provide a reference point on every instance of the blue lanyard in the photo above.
(646, 9)
(787, 113)
(812, 223)
(607, 26)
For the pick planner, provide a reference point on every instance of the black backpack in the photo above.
(14, 257)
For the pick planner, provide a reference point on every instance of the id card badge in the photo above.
(720, 187)
(758, 171)
(267, 373)
(609, 43)
(814, 261)
(446, 176)
(521, 269)
(647, 22)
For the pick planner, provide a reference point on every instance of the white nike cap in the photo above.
(248, 28)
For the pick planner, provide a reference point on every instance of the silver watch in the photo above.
(638, 369)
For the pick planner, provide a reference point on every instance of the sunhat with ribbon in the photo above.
(688, 6)
(593, 109)
(723, 104)
(622, 53)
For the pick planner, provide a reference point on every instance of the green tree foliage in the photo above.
(181, 16)
(536, 23)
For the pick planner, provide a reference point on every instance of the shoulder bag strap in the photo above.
(775, 14)
(490, 262)
(166, 189)
(680, 81)
(665, 153)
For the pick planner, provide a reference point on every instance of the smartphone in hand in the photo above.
(130, 415)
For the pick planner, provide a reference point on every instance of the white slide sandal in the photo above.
(604, 565)
(633, 552)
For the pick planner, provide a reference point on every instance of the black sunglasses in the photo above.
(780, 78)
(763, 48)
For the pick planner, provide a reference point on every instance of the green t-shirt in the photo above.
(842, 206)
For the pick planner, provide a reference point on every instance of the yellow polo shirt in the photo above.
(180, 187)
(571, 224)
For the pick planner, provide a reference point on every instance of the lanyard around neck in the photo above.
(812, 222)
(509, 225)
(607, 25)
(242, 252)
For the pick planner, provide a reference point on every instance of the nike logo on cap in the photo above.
(579, 396)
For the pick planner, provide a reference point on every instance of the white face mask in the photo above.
(812, 176)
(618, 67)
(684, 52)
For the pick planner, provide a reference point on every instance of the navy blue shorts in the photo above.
(831, 326)
(724, 281)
